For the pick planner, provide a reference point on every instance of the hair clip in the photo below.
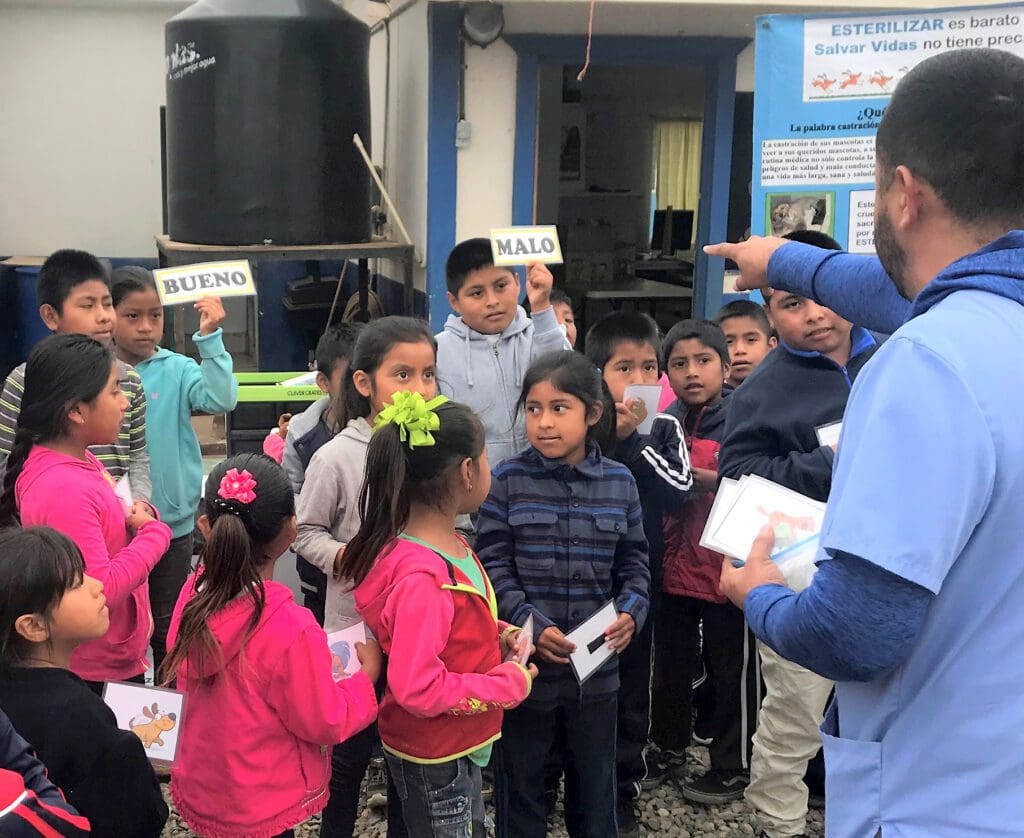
(414, 416)
(239, 486)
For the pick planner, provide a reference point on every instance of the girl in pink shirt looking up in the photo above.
(262, 708)
(72, 400)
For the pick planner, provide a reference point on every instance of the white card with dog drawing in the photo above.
(592, 650)
(154, 714)
(342, 643)
(795, 518)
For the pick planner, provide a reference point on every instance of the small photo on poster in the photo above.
(787, 212)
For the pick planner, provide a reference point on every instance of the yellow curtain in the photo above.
(677, 158)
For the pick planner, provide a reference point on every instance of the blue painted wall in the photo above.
(443, 20)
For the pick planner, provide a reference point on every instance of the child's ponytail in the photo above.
(406, 464)
(248, 501)
(24, 439)
(383, 505)
(61, 371)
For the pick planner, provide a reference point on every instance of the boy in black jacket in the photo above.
(773, 431)
(692, 610)
(625, 346)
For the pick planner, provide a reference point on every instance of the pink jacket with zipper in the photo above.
(76, 497)
(447, 685)
(254, 750)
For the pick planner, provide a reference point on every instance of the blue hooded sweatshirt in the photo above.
(925, 496)
(485, 372)
(175, 386)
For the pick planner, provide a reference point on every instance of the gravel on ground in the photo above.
(662, 812)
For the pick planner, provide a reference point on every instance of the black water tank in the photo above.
(263, 97)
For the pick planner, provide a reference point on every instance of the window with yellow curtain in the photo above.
(677, 164)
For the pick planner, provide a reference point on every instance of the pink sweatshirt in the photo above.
(76, 497)
(254, 754)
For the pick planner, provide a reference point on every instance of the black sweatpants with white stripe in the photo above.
(734, 675)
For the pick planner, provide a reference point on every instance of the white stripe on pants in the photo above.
(786, 739)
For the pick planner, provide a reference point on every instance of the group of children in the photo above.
(445, 491)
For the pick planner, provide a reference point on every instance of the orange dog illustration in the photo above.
(156, 724)
(851, 80)
(823, 81)
(880, 79)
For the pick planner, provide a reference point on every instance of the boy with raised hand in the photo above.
(177, 386)
(488, 344)
(772, 432)
(750, 337)
(73, 291)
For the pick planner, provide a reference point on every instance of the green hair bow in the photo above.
(414, 416)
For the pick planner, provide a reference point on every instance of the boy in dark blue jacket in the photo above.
(625, 347)
(772, 431)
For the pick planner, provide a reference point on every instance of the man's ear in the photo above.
(204, 525)
(908, 196)
(49, 315)
(32, 627)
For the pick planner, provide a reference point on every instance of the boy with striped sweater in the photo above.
(74, 298)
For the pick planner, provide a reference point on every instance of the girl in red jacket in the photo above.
(262, 708)
(426, 597)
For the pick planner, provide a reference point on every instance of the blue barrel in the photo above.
(29, 328)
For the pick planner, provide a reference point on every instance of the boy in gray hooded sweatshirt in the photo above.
(488, 344)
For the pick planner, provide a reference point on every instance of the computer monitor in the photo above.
(680, 234)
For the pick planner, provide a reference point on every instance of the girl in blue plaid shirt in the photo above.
(560, 535)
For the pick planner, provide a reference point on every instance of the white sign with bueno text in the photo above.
(189, 283)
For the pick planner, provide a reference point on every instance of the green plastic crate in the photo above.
(261, 400)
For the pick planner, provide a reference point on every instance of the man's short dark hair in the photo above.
(708, 333)
(745, 308)
(466, 257)
(62, 271)
(604, 337)
(957, 121)
(336, 345)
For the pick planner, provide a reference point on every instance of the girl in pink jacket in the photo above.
(72, 400)
(452, 667)
(262, 708)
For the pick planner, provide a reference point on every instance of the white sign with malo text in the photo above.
(522, 245)
(189, 283)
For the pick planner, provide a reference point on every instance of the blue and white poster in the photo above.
(822, 84)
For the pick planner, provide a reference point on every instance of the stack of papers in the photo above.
(743, 507)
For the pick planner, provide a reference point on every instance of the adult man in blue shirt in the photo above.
(916, 609)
